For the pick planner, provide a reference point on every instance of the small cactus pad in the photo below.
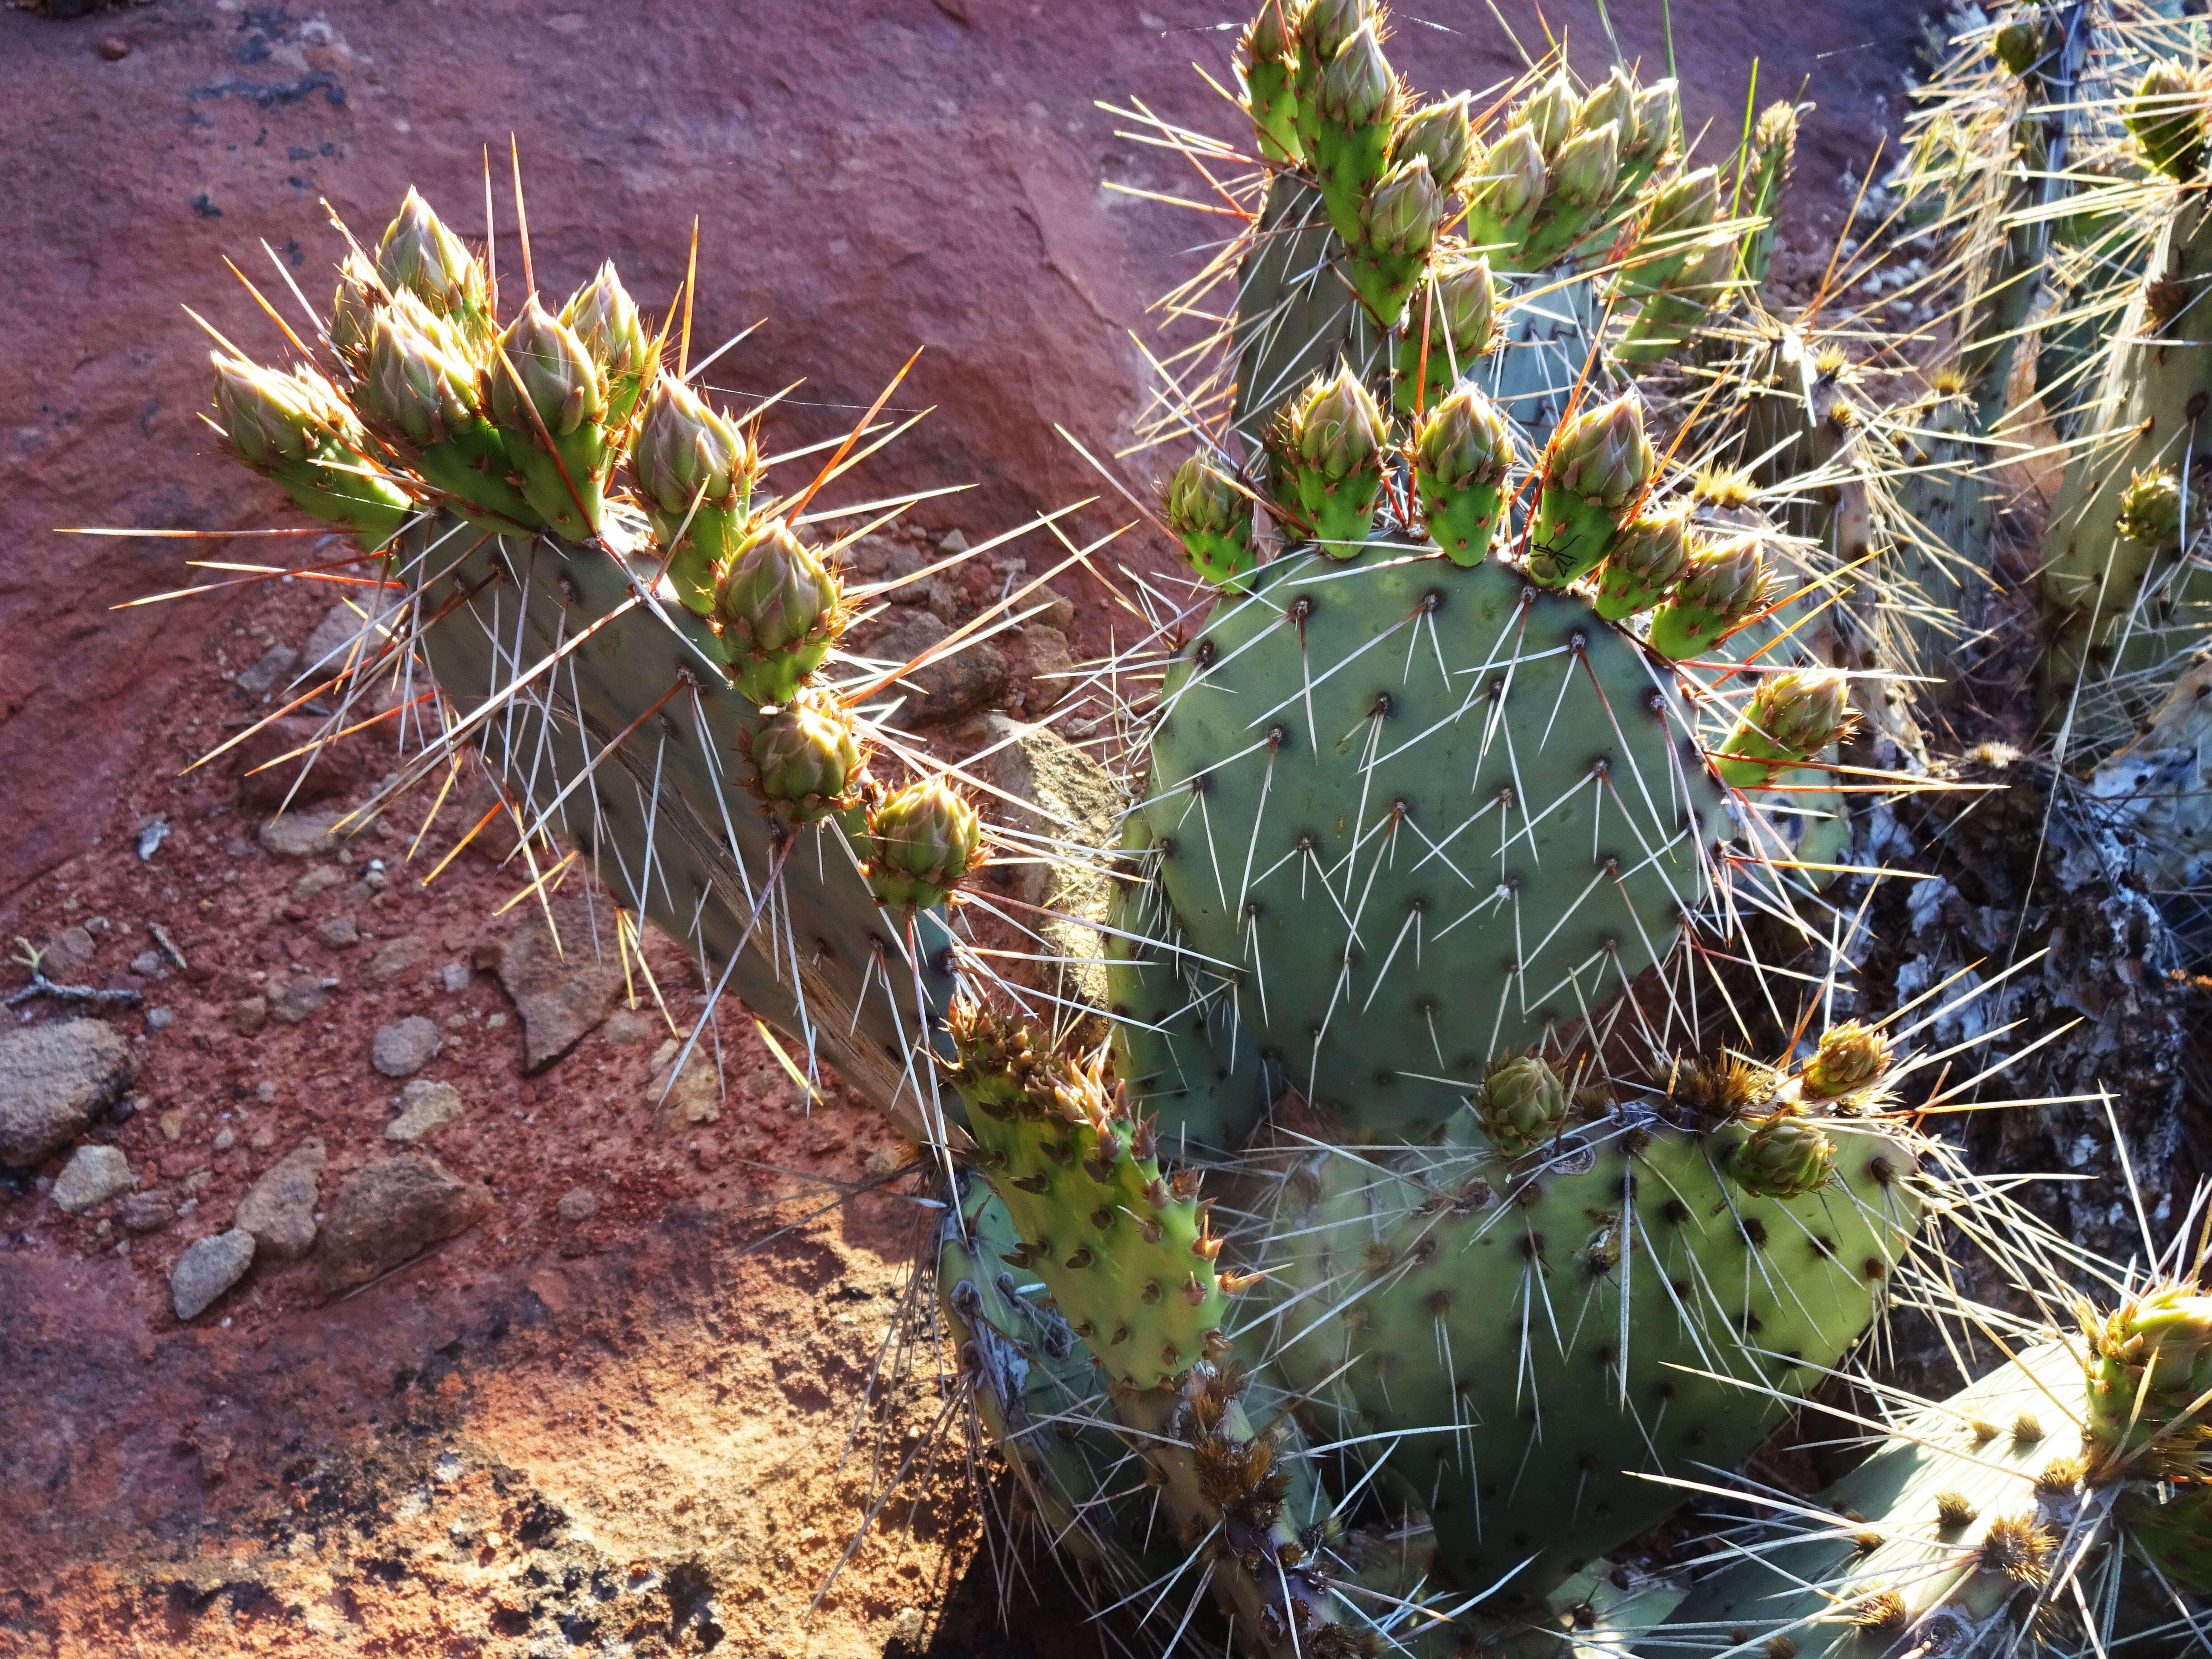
(1124, 1249)
(1407, 816)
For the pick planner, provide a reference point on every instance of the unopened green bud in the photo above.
(1511, 179)
(1658, 112)
(687, 452)
(1402, 215)
(1466, 305)
(924, 840)
(412, 389)
(2166, 116)
(1323, 27)
(1464, 441)
(1522, 1104)
(539, 366)
(1849, 1057)
(2150, 510)
(1212, 518)
(804, 760)
(601, 315)
(1803, 709)
(779, 609)
(354, 306)
(1201, 501)
(1339, 429)
(419, 254)
(270, 417)
(1358, 88)
(1602, 454)
(1440, 136)
(1683, 207)
(1721, 586)
(1268, 38)
(1643, 561)
(1587, 165)
(1614, 102)
(1549, 115)
(1785, 1157)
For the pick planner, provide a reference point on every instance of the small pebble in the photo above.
(92, 1176)
(577, 1203)
(114, 48)
(147, 964)
(455, 976)
(159, 1020)
(208, 1267)
(405, 1047)
(171, 1123)
(339, 932)
(225, 1139)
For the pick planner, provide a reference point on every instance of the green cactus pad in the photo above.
(1939, 1543)
(1297, 316)
(1125, 1250)
(1556, 1332)
(1408, 816)
(1029, 1373)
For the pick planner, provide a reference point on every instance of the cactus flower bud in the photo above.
(1599, 462)
(1522, 1104)
(1613, 101)
(1684, 206)
(687, 450)
(2018, 45)
(1402, 215)
(353, 306)
(1785, 1157)
(1331, 448)
(923, 842)
(1642, 562)
(551, 370)
(1582, 177)
(778, 610)
(419, 254)
(1505, 186)
(1548, 116)
(1658, 112)
(1602, 454)
(1462, 451)
(1340, 430)
(694, 473)
(1720, 587)
(1790, 718)
(1848, 1057)
(270, 417)
(805, 761)
(601, 315)
(1440, 136)
(1450, 323)
(1804, 709)
(1214, 520)
(1323, 26)
(2150, 510)
(1358, 88)
(294, 428)
(2167, 115)
(412, 389)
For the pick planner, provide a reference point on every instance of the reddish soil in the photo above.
(633, 1426)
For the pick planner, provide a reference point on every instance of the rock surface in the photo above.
(957, 683)
(55, 1079)
(92, 1176)
(405, 1047)
(297, 835)
(424, 1106)
(562, 991)
(388, 1212)
(279, 1209)
(208, 1267)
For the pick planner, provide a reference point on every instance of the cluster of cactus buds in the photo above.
(545, 426)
